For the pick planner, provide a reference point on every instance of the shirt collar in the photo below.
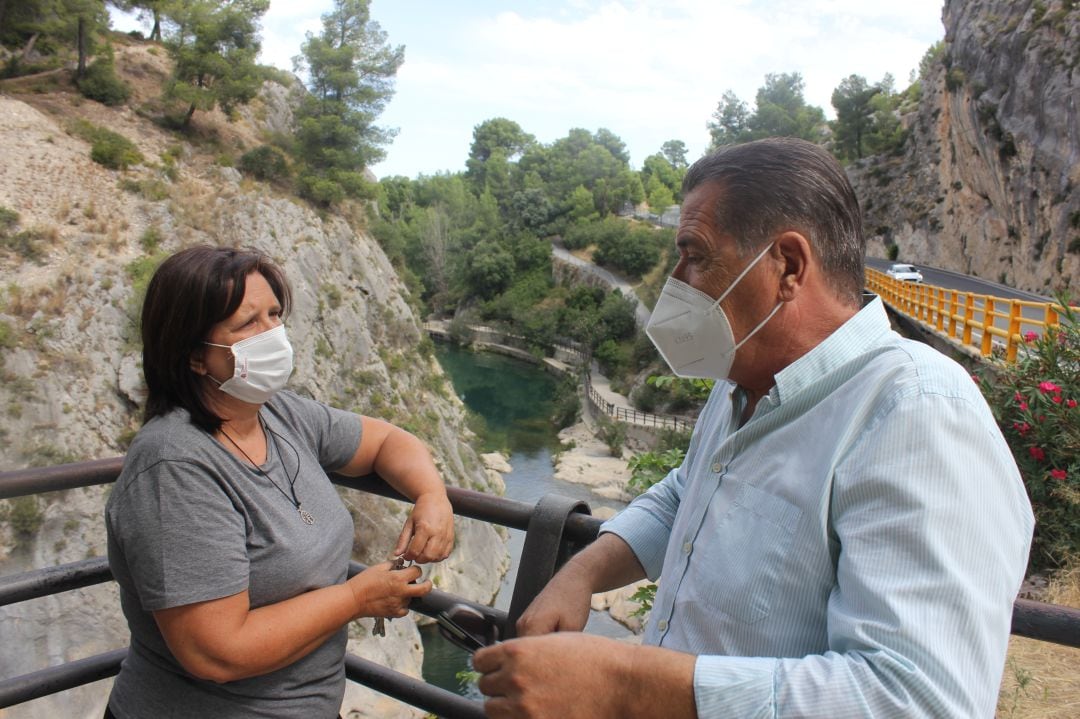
(853, 338)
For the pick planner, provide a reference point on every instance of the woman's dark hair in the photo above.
(783, 183)
(189, 293)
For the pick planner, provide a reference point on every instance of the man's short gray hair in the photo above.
(783, 183)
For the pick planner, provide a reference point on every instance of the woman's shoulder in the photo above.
(166, 437)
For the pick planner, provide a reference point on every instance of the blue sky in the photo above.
(648, 70)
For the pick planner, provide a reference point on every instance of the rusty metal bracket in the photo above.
(546, 549)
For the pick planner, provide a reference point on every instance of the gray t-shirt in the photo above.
(188, 522)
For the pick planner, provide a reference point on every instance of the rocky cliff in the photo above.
(988, 182)
(71, 272)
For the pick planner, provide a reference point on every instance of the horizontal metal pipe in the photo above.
(412, 691)
(33, 480)
(439, 601)
(52, 580)
(60, 678)
(1047, 622)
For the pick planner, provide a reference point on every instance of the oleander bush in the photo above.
(1035, 402)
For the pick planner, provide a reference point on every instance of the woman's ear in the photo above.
(796, 257)
(198, 366)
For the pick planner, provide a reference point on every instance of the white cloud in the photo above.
(648, 70)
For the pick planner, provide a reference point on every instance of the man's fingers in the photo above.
(488, 659)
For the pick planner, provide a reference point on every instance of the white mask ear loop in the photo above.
(759, 326)
(716, 305)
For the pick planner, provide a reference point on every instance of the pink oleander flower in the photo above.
(1030, 336)
(1070, 403)
(1056, 399)
(975, 378)
(1037, 453)
(1058, 473)
(1023, 406)
(1022, 427)
(1047, 387)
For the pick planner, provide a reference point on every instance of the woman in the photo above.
(228, 542)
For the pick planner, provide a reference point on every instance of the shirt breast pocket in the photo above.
(754, 542)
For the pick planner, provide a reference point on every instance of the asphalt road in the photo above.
(962, 282)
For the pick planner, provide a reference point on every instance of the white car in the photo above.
(904, 273)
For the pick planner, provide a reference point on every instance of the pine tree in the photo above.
(350, 69)
(214, 45)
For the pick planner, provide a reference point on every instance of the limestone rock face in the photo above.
(71, 364)
(988, 181)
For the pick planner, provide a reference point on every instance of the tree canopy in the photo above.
(214, 44)
(350, 69)
(780, 110)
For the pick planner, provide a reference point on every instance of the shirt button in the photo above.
(662, 625)
(687, 546)
(717, 467)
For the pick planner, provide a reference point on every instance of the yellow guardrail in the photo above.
(978, 323)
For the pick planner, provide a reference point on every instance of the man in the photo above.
(848, 531)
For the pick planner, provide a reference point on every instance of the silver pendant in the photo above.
(305, 515)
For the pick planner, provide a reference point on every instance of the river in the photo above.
(514, 399)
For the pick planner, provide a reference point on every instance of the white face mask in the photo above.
(691, 331)
(262, 365)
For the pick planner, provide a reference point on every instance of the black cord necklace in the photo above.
(305, 515)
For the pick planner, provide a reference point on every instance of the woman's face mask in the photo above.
(262, 365)
(691, 331)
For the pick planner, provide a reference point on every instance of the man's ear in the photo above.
(796, 258)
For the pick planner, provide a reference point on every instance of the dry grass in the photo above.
(1042, 680)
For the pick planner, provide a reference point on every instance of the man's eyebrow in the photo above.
(684, 242)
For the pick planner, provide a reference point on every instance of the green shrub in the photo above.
(612, 434)
(8, 219)
(107, 147)
(1035, 402)
(25, 244)
(7, 335)
(115, 152)
(567, 403)
(648, 468)
(150, 239)
(101, 83)
(25, 516)
(264, 163)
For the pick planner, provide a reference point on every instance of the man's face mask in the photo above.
(262, 365)
(692, 333)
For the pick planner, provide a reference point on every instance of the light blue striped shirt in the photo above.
(853, 550)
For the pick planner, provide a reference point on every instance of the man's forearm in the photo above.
(609, 563)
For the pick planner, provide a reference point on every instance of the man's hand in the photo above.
(577, 676)
(564, 676)
(563, 605)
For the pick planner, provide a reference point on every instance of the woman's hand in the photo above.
(382, 591)
(428, 534)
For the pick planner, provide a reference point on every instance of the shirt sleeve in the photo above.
(645, 525)
(333, 434)
(182, 535)
(933, 526)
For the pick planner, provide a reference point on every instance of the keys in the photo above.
(379, 629)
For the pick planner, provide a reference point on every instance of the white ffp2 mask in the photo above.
(691, 331)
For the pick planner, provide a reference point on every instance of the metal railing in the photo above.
(978, 323)
(633, 416)
(555, 528)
